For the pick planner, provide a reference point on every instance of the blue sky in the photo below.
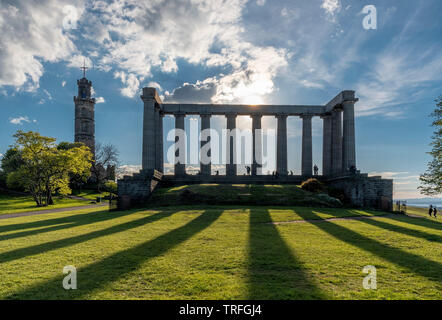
(232, 51)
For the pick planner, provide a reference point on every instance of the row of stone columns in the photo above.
(338, 154)
(281, 156)
(338, 150)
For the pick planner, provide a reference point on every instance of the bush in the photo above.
(339, 194)
(110, 186)
(313, 185)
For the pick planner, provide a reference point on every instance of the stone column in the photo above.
(231, 145)
(348, 138)
(281, 145)
(159, 164)
(306, 167)
(180, 166)
(326, 145)
(205, 124)
(257, 145)
(149, 140)
(336, 141)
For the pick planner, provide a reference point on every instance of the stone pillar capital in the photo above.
(205, 114)
(256, 115)
(306, 116)
(231, 115)
(325, 116)
(350, 101)
(281, 115)
(179, 114)
(150, 94)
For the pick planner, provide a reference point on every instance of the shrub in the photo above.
(339, 194)
(110, 186)
(313, 185)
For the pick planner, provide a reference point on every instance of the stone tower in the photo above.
(85, 114)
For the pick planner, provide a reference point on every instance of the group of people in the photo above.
(432, 210)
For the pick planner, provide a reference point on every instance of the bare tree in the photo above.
(105, 164)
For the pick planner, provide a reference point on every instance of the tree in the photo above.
(431, 180)
(11, 161)
(106, 160)
(45, 169)
(79, 179)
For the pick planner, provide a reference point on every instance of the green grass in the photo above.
(14, 204)
(89, 194)
(219, 253)
(242, 194)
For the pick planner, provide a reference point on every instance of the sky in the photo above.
(228, 51)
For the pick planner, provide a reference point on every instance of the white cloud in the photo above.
(331, 6)
(260, 2)
(19, 120)
(144, 40)
(100, 100)
(48, 95)
(153, 84)
(131, 82)
(127, 170)
(396, 79)
(31, 33)
(78, 61)
(63, 83)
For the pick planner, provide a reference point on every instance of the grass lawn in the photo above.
(219, 253)
(14, 204)
(89, 194)
(243, 194)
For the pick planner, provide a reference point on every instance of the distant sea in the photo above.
(423, 203)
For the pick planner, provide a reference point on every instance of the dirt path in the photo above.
(33, 213)
(347, 218)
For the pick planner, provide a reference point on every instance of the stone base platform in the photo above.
(136, 189)
(362, 190)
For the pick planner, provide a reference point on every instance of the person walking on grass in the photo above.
(430, 210)
(435, 211)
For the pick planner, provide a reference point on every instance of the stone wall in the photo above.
(136, 189)
(364, 191)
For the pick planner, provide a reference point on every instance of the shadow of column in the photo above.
(116, 266)
(274, 271)
(414, 263)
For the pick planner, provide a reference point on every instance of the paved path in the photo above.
(388, 215)
(33, 213)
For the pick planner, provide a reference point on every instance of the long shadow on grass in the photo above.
(112, 268)
(436, 225)
(274, 271)
(54, 245)
(415, 263)
(69, 222)
(76, 217)
(403, 230)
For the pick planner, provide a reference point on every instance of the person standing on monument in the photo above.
(435, 211)
(430, 210)
(315, 170)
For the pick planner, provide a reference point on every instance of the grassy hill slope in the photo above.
(240, 194)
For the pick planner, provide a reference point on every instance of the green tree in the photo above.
(431, 180)
(10, 162)
(45, 169)
(78, 180)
